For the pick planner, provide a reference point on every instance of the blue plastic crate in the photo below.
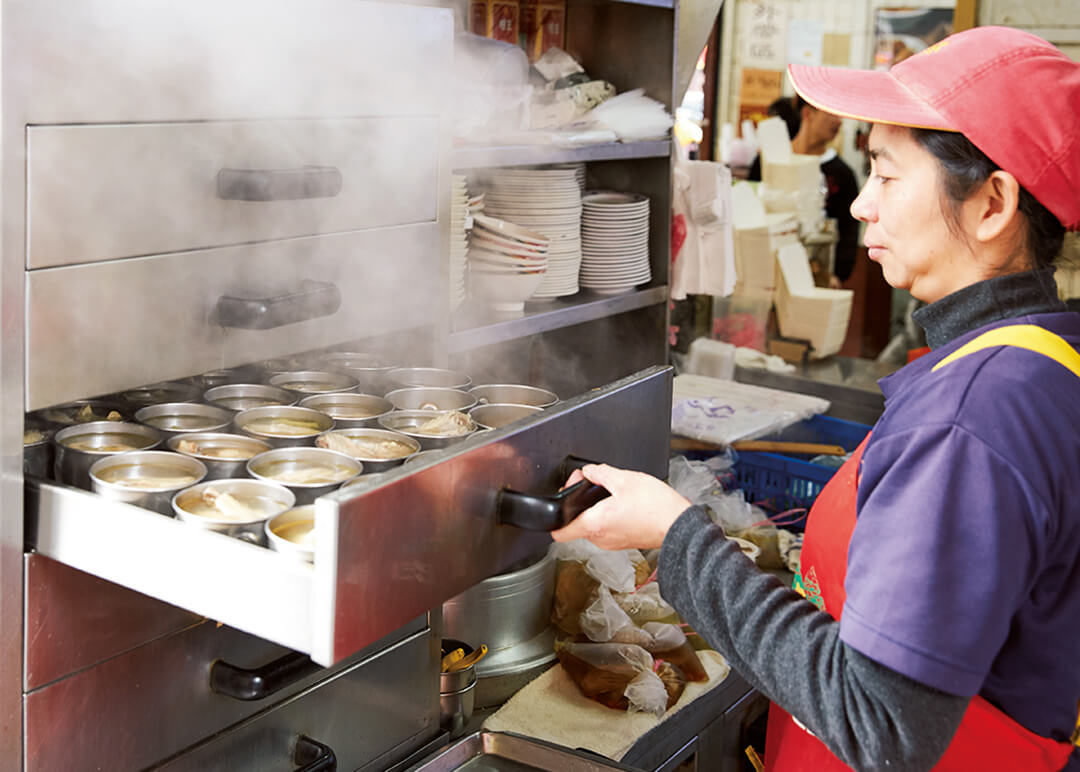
(778, 482)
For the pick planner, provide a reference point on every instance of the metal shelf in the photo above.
(484, 156)
(473, 332)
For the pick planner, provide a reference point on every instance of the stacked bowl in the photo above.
(507, 263)
(614, 241)
(459, 239)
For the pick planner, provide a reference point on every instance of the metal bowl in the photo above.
(244, 396)
(513, 394)
(210, 447)
(369, 370)
(405, 377)
(311, 382)
(431, 398)
(371, 461)
(407, 421)
(283, 464)
(253, 423)
(290, 364)
(349, 410)
(497, 416)
(292, 533)
(161, 393)
(78, 447)
(422, 456)
(175, 418)
(215, 378)
(159, 474)
(83, 411)
(37, 449)
(266, 499)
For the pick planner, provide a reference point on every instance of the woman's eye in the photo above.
(881, 179)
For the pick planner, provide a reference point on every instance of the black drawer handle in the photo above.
(313, 300)
(259, 683)
(549, 513)
(313, 756)
(278, 184)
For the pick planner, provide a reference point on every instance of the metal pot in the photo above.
(369, 370)
(99, 439)
(498, 416)
(83, 411)
(161, 393)
(37, 449)
(404, 377)
(247, 422)
(244, 396)
(208, 446)
(110, 477)
(270, 499)
(431, 398)
(279, 465)
(178, 418)
(372, 463)
(311, 382)
(292, 533)
(215, 378)
(349, 410)
(513, 394)
(407, 421)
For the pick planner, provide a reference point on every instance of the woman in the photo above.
(943, 560)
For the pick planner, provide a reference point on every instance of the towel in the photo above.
(551, 708)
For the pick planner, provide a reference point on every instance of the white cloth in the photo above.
(705, 263)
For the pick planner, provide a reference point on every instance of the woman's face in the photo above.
(906, 228)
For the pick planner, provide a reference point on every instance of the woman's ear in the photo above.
(994, 207)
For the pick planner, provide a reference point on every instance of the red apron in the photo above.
(987, 738)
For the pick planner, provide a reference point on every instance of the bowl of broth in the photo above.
(283, 426)
(77, 448)
(237, 508)
(145, 478)
(307, 472)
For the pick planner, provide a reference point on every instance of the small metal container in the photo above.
(84, 411)
(266, 498)
(311, 382)
(223, 455)
(457, 692)
(422, 456)
(369, 370)
(113, 478)
(78, 447)
(284, 464)
(431, 398)
(513, 394)
(257, 423)
(175, 418)
(371, 462)
(405, 377)
(407, 421)
(37, 449)
(161, 393)
(244, 396)
(349, 410)
(292, 533)
(497, 416)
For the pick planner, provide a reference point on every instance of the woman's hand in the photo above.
(638, 513)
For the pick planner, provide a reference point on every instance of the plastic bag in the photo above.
(615, 569)
(669, 644)
(575, 590)
(603, 618)
(765, 538)
(644, 604)
(673, 679)
(617, 675)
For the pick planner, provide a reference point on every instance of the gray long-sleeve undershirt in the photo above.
(869, 715)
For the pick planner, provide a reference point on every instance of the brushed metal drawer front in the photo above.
(151, 703)
(386, 702)
(95, 329)
(103, 192)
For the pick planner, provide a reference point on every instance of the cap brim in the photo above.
(873, 96)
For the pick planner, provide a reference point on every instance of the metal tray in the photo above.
(504, 752)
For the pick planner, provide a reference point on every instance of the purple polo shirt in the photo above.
(964, 565)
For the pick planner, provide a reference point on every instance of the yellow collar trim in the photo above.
(1027, 336)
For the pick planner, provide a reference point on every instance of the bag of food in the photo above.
(603, 618)
(618, 675)
(669, 644)
(673, 679)
(575, 590)
(644, 604)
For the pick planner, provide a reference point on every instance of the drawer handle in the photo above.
(312, 300)
(549, 513)
(278, 184)
(259, 683)
(313, 755)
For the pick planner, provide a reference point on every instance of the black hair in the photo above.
(966, 167)
(785, 108)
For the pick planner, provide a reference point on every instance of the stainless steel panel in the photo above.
(151, 188)
(75, 620)
(137, 709)
(387, 702)
(92, 329)
(483, 751)
(158, 60)
(429, 532)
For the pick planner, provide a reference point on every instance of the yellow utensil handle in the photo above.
(471, 659)
(453, 657)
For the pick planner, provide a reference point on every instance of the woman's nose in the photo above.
(864, 207)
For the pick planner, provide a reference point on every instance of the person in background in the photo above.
(935, 620)
(780, 108)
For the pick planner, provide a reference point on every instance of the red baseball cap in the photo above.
(1015, 96)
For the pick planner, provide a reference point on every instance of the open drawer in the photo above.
(423, 534)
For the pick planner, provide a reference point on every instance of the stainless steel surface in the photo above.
(373, 463)
(408, 422)
(244, 396)
(178, 418)
(207, 443)
(273, 498)
(72, 465)
(347, 409)
(280, 465)
(311, 382)
(405, 377)
(386, 705)
(513, 394)
(496, 416)
(452, 503)
(38, 452)
(496, 751)
(480, 156)
(473, 332)
(430, 398)
(303, 516)
(320, 421)
(456, 707)
(138, 465)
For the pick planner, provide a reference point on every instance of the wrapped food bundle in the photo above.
(623, 676)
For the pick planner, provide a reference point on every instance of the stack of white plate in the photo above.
(547, 201)
(476, 204)
(459, 238)
(507, 263)
(614, 241)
